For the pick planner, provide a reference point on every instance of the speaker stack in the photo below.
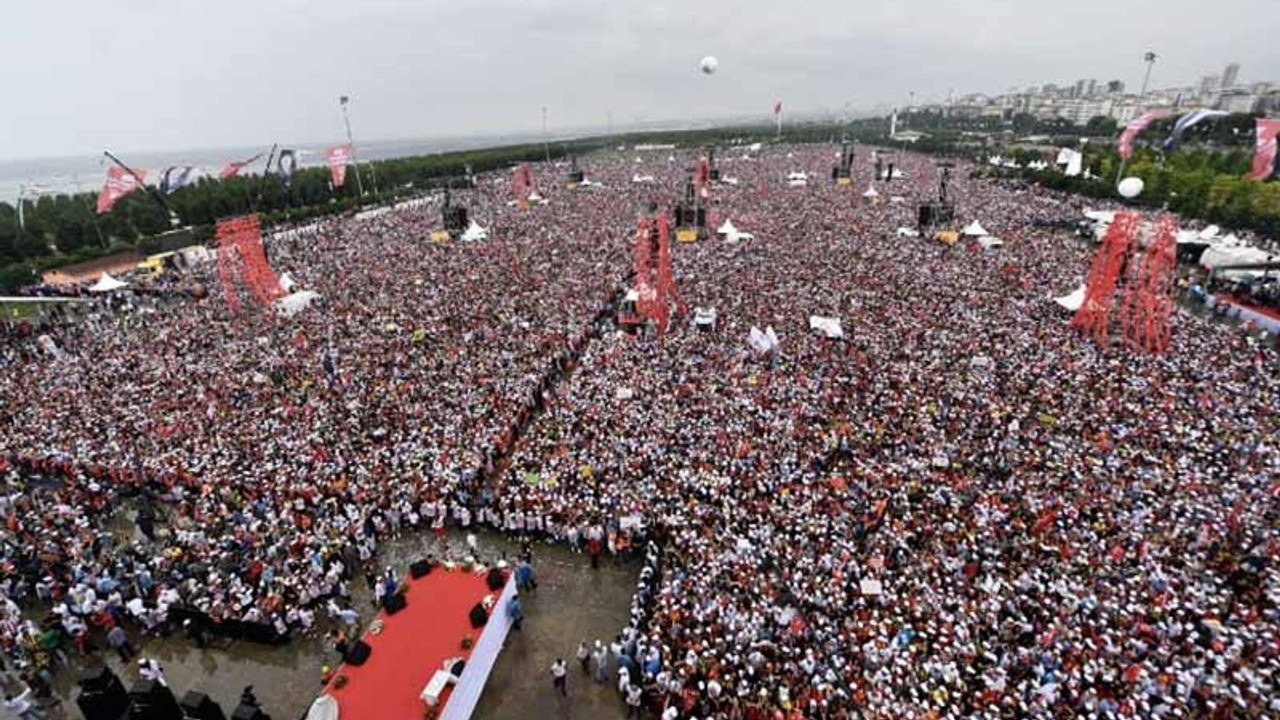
(358, 653)
(420, 569)
(198, 706)
(153, 701)
(495, 579)
(102, 695)
(249, 712)
(394, 603)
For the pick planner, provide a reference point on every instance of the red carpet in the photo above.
(413, 644)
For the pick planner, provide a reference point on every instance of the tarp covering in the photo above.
(295, 303)
(828, 326)
(106, 283)
(727, 228)
(1073, 301)
(975, 229)
(763, 342)
(988, 241)
(1102, 216)
(871, 193)
(1220, 255)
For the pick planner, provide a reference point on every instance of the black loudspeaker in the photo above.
(422, 568)
(358, 653)
(576, 176)
(102, 695)
(153, 701)
(478, 616)
(249, 712)
(925, 216)
(198, 706)
(495, 579)
(394, 603)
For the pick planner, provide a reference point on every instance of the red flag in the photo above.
(120, 182)
(1133, 128)
(1264, 157)
(232, 169)
(339, 156)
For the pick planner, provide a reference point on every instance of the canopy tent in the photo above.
(294, 303)
(897, 199)
(1102, 216)
(704, 318)
(475, 233)
(908, 232)
(106, 284)
(1211, 232)
(797, 179)
(763, 342)
(871, 192)
(726, 228)
(1073, 301)
(638, 178)
(990, 241)
(828, 326)
(975, 229)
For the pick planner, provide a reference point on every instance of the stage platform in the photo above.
(415, 642)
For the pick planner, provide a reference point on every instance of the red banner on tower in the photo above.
(339, 156)
(1264, 157)
(1132, 129)
(120, 182)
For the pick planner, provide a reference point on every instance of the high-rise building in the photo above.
(1209, 83)
(1078, 90)
(1229, 75)
(1090, 87)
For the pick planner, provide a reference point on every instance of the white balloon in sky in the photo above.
(709, 65)
(1131, 187)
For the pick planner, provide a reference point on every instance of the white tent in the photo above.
(287, 283)
(797, 179)
(908, 232)
(1073, 301)
(897, 199)
(990, 241)
(727, 228)
(1218, 256)
(828, 326)
(1210, 232)
(475, 233)
(106, 283)
(294, 303)
(763, 342)
(975, 229)
(1102, 216)
(638, 178)
(871, 192)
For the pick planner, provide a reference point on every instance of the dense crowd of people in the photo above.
(960, 508)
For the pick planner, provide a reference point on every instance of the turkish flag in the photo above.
(120, 182)
(339, 156)
(232, 169)
(1264, 157)
(1131, 131)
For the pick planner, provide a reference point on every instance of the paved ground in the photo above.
(572, 603)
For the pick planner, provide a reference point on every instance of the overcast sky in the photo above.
(81, 75)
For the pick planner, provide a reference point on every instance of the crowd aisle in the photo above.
(961, 509)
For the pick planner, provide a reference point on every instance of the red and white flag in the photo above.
(339, 156)
(120, 182)
(234, 168)
(1131, 131)
(1264, 157)
(777, 109)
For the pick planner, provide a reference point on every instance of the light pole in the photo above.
(546, 147)
(1149, 58)
(342, 101)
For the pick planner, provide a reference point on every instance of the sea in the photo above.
(86, 173)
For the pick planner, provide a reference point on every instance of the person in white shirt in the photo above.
(21, 706)
(558, 679)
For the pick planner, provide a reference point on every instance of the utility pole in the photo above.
(1149, 58)
(343, 100)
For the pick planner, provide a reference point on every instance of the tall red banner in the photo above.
(1264, 157)
(1132, 129)
(120, 182)
(339, 156)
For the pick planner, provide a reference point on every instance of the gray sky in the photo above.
(81, 75)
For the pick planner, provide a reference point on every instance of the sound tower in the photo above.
(153, 701)
(102, 696)
(394, 603)
(358, 654)
(249, 712)
(420, 569)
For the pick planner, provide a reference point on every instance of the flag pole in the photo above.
(173, 217)
(346, 119)
(1150, 59)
